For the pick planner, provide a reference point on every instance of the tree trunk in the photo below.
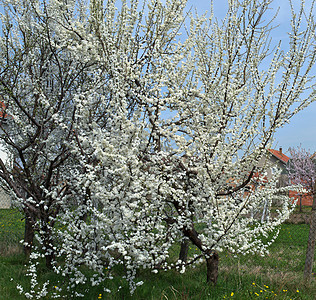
(264, 211)
(49, 261)
(311, 242)
(49, 253)
(212, 258)
(28, 236)
(48, 243)
(212, 268)
(301, 203)
(183, 255)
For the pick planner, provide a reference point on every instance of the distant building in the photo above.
(305, 199)
(277, 159)
(273, 160)
(5, 199)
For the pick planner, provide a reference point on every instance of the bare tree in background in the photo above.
(302, 171)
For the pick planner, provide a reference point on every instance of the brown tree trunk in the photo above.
(49, 253)
(183, 255)
(49, 261)
(28, 236)
(212, 258)
(310, 252)
(48, 242)
(212, 268)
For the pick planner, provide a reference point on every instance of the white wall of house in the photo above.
(5, 199)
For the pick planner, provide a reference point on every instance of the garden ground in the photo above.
(279, 275)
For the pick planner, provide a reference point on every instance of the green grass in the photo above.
(11, 231)
(276, 276)
(305, 209)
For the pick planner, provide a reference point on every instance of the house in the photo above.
(273, 160)
(305, 199)
(5, 199)
(276, 158)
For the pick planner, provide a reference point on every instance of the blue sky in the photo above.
(302, 127)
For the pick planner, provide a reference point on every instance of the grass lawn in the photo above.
(276, 276)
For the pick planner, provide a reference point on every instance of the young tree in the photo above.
(168, 129)
(37, 83)
(302, 171)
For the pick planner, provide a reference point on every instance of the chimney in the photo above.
(280, 150)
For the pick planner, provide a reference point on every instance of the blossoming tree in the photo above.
(36, 85)
(302, 171)
(168, 129)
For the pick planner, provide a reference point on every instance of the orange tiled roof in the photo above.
(2, 110)
(280, 155)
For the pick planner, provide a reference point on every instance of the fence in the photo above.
(5, 199)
